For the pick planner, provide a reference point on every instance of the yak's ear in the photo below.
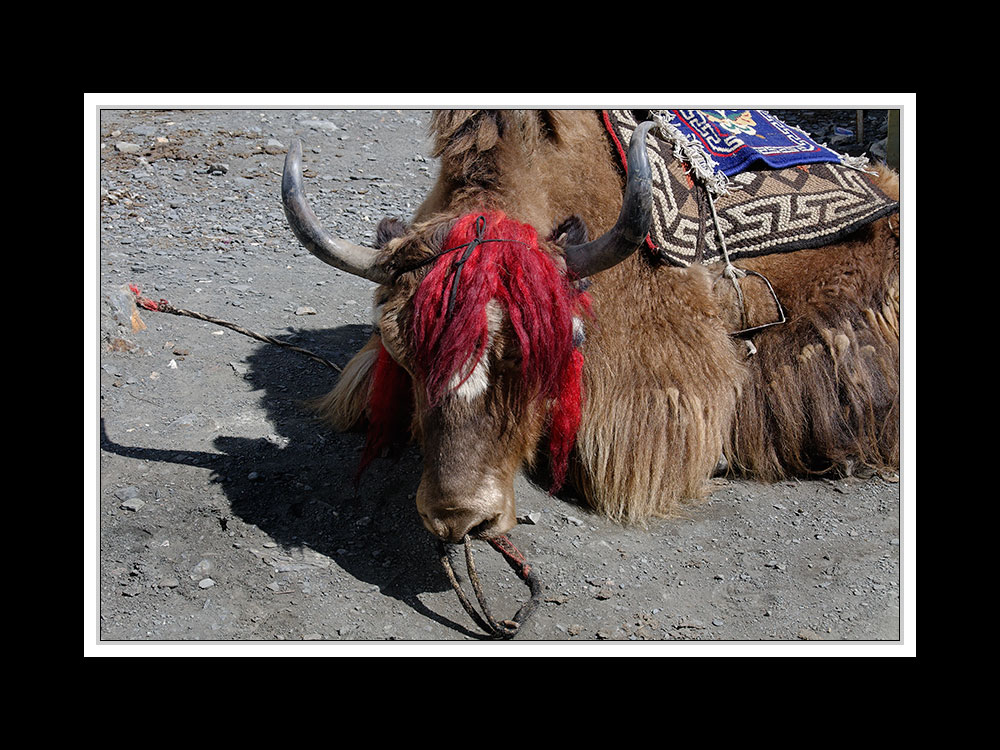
(570, 231)
(389, 229)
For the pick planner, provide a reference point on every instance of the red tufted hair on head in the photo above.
(488, 256)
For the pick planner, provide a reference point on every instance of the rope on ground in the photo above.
(166, 307)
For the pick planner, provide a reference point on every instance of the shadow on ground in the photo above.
(299, 486)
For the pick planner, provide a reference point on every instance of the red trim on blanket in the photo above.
(614, 138)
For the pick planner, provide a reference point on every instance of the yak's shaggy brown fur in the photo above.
(537, 167)
(662, 378)
(823, 389)
(668, 390)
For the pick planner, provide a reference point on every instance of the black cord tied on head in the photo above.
(458, 264)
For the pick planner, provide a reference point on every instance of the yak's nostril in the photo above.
(453, 526)
(451, 513)
(483, 528)
(437, 527)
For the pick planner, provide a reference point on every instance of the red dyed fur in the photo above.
(389, 409)
(566, 419)
(537, 301)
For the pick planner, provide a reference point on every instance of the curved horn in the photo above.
(633, 222)
(355, 259)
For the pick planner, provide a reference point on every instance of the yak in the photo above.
(516, 318)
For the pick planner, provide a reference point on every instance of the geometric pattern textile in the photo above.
(759, 211)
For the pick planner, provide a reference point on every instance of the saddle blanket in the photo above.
(769, 202)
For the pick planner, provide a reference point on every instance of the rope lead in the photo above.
(502, 629)
(166, 307)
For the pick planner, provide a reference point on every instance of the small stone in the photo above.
(202, 569)
(304, 310)
(841, 136)
(717, 622)
(878, 150)
(168, 583)
(127, 493)
(133, 504)
(206, 583)
(321, 125)
(124, 311)
(693, 624)
(274, 146)
(128, 148)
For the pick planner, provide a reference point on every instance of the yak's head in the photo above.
(479, 321)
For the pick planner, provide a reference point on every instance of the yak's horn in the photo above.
(354, 259)
(634, 220)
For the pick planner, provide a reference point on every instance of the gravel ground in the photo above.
(222, 513)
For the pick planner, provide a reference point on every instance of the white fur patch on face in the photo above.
(479, 380)
(474, 385)
(579, 334)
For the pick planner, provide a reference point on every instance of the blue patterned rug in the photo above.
(740, 139)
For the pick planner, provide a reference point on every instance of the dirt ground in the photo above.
(218, 513)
